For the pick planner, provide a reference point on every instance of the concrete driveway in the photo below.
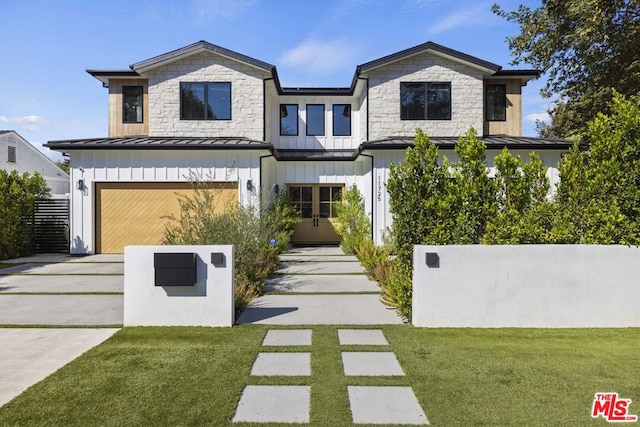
(54, 291)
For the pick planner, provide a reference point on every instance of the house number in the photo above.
(379, 189)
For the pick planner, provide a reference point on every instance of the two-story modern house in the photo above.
(224, 116)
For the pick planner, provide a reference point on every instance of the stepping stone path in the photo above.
(292, 404)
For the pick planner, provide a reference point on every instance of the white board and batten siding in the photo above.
(152, 166)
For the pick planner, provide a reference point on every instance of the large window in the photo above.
(289, 119)
(315, 119)
(132, 104)
(425, 101)
(342, 120)
(496, 102)
(205, 101)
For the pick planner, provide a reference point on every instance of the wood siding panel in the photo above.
(132, 213)
(116, 127)
(513, 125)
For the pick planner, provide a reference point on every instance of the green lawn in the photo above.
(462, 377)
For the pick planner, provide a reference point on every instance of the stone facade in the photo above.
(246, 92)
(384, 96)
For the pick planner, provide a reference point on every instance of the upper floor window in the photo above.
(430, 101)
(205, 101)
(496, 102)
(11, 154)
(315, 119)
(132, 104)
(289, 119)
(342, 120)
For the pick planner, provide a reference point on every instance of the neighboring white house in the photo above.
(19, 155)
(225, 116)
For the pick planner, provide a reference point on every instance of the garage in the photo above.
(134, 213)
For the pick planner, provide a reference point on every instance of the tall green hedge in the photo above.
(18, 194)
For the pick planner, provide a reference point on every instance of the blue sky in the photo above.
(46, 46)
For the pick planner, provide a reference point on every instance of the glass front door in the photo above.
(317, 206)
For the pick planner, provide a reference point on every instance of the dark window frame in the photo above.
(297, 119)
(124, 101)
(323, 119)
(425, 107)
(12, 154)
(486, 103)
(206, 102)
(333, 118)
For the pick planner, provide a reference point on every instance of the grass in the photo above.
(462, 377)
(8, 264)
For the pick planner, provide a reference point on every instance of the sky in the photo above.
(46, 46)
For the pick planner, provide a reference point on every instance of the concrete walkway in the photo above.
(319, 286)
(56, 291)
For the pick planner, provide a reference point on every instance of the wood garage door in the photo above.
(132, 213)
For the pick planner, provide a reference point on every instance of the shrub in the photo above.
(248, 228)
(353, 226)
(18, 194)
(371, 255)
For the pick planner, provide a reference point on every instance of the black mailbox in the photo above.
(175, 269)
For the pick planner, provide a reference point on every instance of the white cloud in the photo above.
(210, 10)
(320, 56)
(538, 117)
(466, 16)
(30, 122)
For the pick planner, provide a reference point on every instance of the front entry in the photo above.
(317, 206)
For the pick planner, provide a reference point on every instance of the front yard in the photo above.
(461, 377)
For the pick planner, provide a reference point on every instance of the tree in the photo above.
(598, 196)
(18, 194)
(64, 164)
(587, 47)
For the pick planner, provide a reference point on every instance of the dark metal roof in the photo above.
(159, 143)
(5, 131)
(517, 73)
(113, 73)
(426, 47)
(198, 46)
(492, 142)
(316, 155)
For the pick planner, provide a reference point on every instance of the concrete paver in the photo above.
(363, 363)
(286, 337)
(317, 258)
(319, 310)
(43, 284)
(61, 309)
(276, 404)
(30, 355)
(315, 251)
(67, 268)
(325, 284)
(318, 267)
(282, 364)
(361, 337)
(385, 405)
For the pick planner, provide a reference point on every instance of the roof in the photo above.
(430, 47)
(492, 142)
(158, 143)
(200, 46)
(5, 131)
(139, 68)
(316, 155)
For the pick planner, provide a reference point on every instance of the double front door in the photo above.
(317, 206)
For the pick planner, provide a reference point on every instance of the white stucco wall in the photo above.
(537, 286)
(384, 96)
(246, 92)
(209, 303)
(30, 159)
(152, 166)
